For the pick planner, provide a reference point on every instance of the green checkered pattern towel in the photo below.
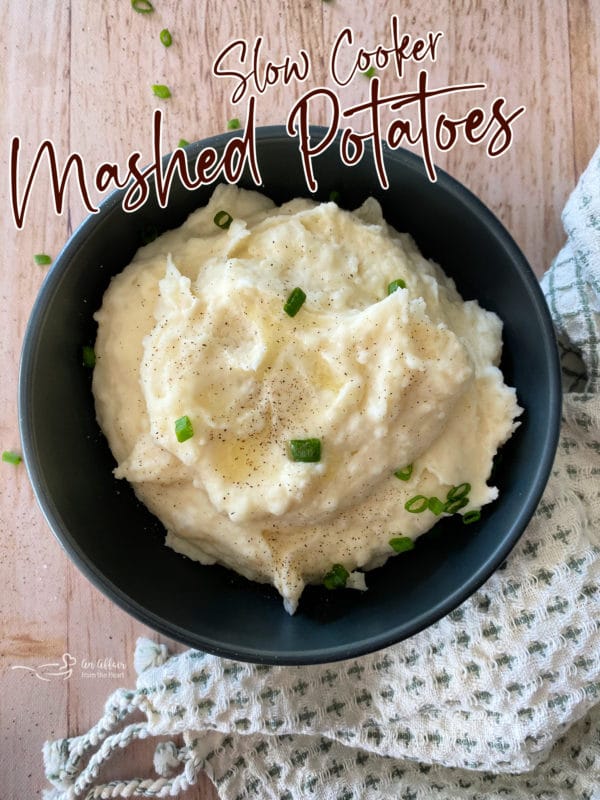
(500, 699)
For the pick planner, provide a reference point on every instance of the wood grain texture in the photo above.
(80, 73)
(584, 55)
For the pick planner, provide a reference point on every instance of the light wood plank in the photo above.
(33, 607)
(584, 52)
(521, 51)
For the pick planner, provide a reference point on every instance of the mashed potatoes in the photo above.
(194, 329)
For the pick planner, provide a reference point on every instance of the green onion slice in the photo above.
(456, 492)
(306, 450)
(182, 143)
(401, 544)
(472, 516)
(160, 90)
(234, 124)
(453, 506)
(42, 259)
(142, 6)
(397, 284)
(88, 355)
(370, 73)
(404, 473)
(183, 429)
(417, 504)
(294, 302)
(222, 220)
(11, 458)
(436, 505)
(336, 577)
(166, 38)
(335, 196)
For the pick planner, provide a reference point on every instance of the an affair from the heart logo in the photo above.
(253, 75)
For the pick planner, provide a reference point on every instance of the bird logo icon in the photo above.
(54, 670)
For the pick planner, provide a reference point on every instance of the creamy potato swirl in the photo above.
(195, 327)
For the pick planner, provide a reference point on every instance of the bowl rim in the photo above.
(360, 646)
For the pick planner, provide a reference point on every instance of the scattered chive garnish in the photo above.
(142, 6)
(11, 458)
(336, 577)
(457, 498)
(370, 73)
(397, 284)
(417, 504)
(453, 506)
(160, 90)
(88, 355)
(435, 505)
(294, 302)
(405, 473)
(306, 450)
(183, 429)
(234, 124)
(222, 220)
(166, 38)
(471, 516)
(456, 492)
(42, 259)
(182, 143)
(335, 196)
(400, 544)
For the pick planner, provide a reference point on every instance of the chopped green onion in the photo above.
(222, 220)
(294, 302)
(417, 504)
(11, 458)
(405, 473)
(472, 516)
(335, 196)
(400, 544)
(42, 259)
(88, 355)
(182, 143)
(160, 90)
(142, 6)
(435, 505)
(452, 506)
(336, 577)
(183, 429)
(397, 284)
(166, 38)
(306, 450)
(370, 73)
(456, 492)
(234, 124)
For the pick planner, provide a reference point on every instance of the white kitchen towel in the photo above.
(500, 699)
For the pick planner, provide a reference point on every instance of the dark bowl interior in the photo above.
(118, 544)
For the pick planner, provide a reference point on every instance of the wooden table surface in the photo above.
(80, 74)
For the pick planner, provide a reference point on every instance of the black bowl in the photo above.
(119, 545)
